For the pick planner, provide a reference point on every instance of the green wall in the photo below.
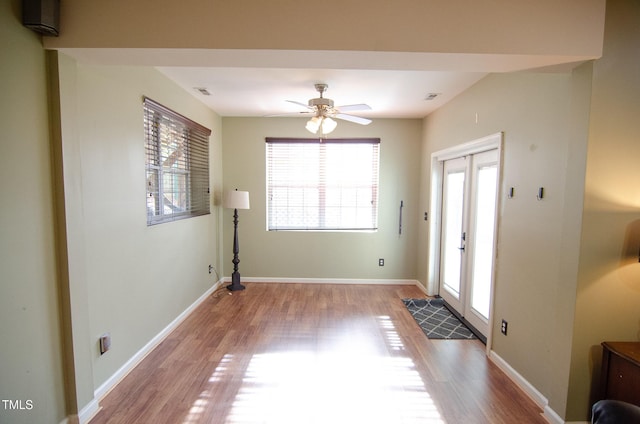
(345, 255)
(31, 353)
(565, 280)
(128, 279)
(77, 257)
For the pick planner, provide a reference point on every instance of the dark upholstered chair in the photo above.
(615, 412)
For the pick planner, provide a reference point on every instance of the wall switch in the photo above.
(380, 262)
(105, 343)
(503, 328)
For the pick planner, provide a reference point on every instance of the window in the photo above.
(177, 165)
(329, 184)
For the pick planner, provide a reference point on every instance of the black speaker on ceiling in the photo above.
(42, 16)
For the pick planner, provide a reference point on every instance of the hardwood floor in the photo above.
(311, 353)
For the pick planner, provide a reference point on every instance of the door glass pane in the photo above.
(483, 245)
(453, 204)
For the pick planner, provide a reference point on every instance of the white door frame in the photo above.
(494, 141)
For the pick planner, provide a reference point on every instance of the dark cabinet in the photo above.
(620, 377)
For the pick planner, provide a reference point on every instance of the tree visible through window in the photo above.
(177, 164)
(329, 184)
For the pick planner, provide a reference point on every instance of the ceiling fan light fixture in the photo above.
(322, 124)
(328, 125)
(313, 124)
(323, 113)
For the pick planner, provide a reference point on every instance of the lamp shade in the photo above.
(234, 199)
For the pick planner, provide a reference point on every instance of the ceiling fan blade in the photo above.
(299, 104)
(303, 113)
(351, 118)
(351, 108)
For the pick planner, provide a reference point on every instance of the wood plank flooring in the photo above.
(314, 353)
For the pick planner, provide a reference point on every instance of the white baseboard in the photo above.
(533, 393)
(397, 282)
(422, 288)
(89, 410)
(71, 419)
(547, 413)
(93, 407)
(551, 416)
(85, 415)
(112, 381)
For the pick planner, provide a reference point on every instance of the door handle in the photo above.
(461, 248)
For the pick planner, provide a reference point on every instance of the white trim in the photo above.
(85, 415)
(422, 288)
(490, 142)
(520, 381)
(479, 145)
(71, 419)
(88, 412)
(125, 369)
(361, 281)
(112, 381)
(527, 388)
(493, 141)
(93, 407)
(551, 416)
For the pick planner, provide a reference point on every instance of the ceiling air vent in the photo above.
(202, 91)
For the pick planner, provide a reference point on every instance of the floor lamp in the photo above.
(235, 200)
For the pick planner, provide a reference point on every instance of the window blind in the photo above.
(177, 165)
(318, 185)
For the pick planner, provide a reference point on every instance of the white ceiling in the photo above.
(264, 91)
(259, 82)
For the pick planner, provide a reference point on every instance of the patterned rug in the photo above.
(436, 320)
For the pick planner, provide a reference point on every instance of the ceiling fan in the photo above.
(324, 111)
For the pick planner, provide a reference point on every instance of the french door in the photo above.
(469, 199)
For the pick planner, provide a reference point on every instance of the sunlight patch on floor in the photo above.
(336, 387)
(351, 381)
(197, 409)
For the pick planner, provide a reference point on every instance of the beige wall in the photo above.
(31, 352)
(572, 28)
(535, 113)
(608, 297)
(290, 254)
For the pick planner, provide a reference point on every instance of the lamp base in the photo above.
(235, 282)
(235, 287)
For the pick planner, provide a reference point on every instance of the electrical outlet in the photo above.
(210, 268)
(380, 262)
(105, 343)
(503, 328)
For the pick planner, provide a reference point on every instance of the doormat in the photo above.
(436, 320)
